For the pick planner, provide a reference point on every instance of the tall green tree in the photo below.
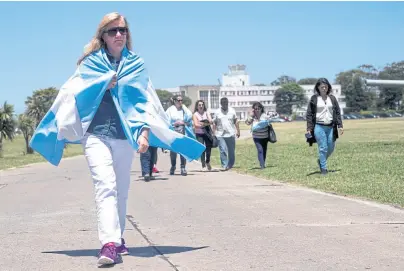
(165, 98)
(282, 80)
(27, 126)
(391, 97)
(289, 95)
(7, 124)
(40, 102)
(307, 81)
(357, 96)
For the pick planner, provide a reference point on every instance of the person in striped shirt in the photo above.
(259, 122)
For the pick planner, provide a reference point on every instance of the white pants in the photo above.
(110, 162)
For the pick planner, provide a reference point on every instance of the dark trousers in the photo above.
(173, 156)
(205, 157)
(147, 161)
(261, 144)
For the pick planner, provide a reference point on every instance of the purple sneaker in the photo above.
(107, 255)
(122, 249)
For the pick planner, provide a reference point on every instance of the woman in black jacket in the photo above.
(323, 121)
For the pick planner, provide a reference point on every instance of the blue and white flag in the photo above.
(135, 99)
(258, 125)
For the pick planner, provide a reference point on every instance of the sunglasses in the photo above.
(179, 100)
(113, 31)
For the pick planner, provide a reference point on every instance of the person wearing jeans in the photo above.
(202, 122)
(227, 129)
(180, 117)
(323, 122)
(147, 162)
(325, 140)
(260, 129)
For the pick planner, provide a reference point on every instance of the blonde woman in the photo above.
(110, 107)
(108, 153)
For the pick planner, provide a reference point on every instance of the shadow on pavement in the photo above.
(147, 252)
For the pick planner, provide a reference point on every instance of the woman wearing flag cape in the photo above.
(109, 106)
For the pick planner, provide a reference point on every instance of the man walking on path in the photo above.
(227, 128)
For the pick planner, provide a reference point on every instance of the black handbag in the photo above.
(212, 138)
(271, 134)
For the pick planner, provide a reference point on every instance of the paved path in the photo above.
(205, 221)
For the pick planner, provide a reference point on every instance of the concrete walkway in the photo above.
(205, 221)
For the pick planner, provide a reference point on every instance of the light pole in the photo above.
(383, 83)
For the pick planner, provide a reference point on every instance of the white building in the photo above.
(236, 87)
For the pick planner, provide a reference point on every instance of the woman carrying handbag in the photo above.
(261, 129)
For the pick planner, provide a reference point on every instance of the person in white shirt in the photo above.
(180, 117)
(323, 122)
(227, 128)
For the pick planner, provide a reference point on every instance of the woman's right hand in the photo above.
(112, 84)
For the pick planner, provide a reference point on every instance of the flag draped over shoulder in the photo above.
(134, 96)
(262, 123)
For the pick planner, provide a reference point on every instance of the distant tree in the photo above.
(289, 95)
(7, 124)
(282, 80)
(391, 97)
(27, 126)
(165, 98)
(186, 101)
(40, 102)
(307, 81)
(357, 96)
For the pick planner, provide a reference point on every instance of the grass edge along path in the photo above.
(368, 162)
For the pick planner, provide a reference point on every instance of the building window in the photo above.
(214, 99)
(204, 96)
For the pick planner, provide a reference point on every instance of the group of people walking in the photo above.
(112, 130)
(324, 125)
(220, 131)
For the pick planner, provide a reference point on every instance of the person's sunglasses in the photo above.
(179, 100)
(114, 30)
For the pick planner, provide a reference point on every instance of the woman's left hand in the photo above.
(143, 142)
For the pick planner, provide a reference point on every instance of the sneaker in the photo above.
(108, 255)
(324, 171)
(122, 249)
(184, 172)
(155, 170)
(172, 170)
(209, 166)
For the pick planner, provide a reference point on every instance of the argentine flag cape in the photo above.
(187, 118)
(263, 122)
(135, 99)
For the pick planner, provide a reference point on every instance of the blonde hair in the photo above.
(97, 42)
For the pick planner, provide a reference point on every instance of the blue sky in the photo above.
(194, 42)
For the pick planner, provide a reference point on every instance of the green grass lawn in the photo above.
(13, 154)
(368, 161)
